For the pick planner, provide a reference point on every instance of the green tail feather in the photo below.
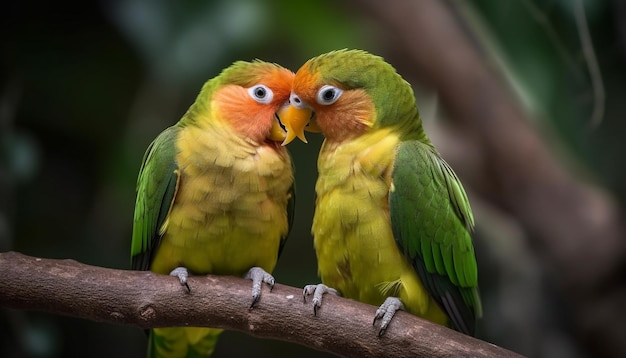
(182, 342)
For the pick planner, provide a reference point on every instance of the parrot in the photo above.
(392, 223)
(215, 193)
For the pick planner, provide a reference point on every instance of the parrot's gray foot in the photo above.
(318, 292)
(182, 274)
(385, 313)
(258, 276)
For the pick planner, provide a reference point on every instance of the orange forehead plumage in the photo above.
(280, 80)
(306, 83)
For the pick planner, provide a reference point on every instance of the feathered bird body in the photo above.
(229, 211)
(215, 192)
(353, 236)
(392, 221)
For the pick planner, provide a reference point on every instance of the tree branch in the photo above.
(145, 300)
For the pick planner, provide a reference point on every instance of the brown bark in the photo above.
(145, 300)
(575, 228)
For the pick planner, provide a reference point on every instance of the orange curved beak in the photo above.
(295, 120)
(313, 127)
(277, 132)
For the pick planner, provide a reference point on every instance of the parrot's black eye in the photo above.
(261, 93)
(328, 95)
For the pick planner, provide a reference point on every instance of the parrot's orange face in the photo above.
(250, 108)
(327, 106)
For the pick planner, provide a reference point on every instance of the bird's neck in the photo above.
(370, 155)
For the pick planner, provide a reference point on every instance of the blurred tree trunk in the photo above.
(574, 227)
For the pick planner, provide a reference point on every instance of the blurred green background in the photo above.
(85, 88)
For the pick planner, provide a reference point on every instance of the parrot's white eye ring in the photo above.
(328, 95)
(261, 94)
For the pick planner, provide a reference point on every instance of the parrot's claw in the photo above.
(318, 292)
(385, 313)
(258, 276)
(182, 274)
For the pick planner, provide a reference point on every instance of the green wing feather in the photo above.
(156, 188)
(431, 221)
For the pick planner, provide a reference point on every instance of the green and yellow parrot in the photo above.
(392, 222)
(215, 193)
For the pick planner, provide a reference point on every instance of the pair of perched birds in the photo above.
(392, 223)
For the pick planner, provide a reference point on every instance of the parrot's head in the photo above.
(247, 96)
(345, 94)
